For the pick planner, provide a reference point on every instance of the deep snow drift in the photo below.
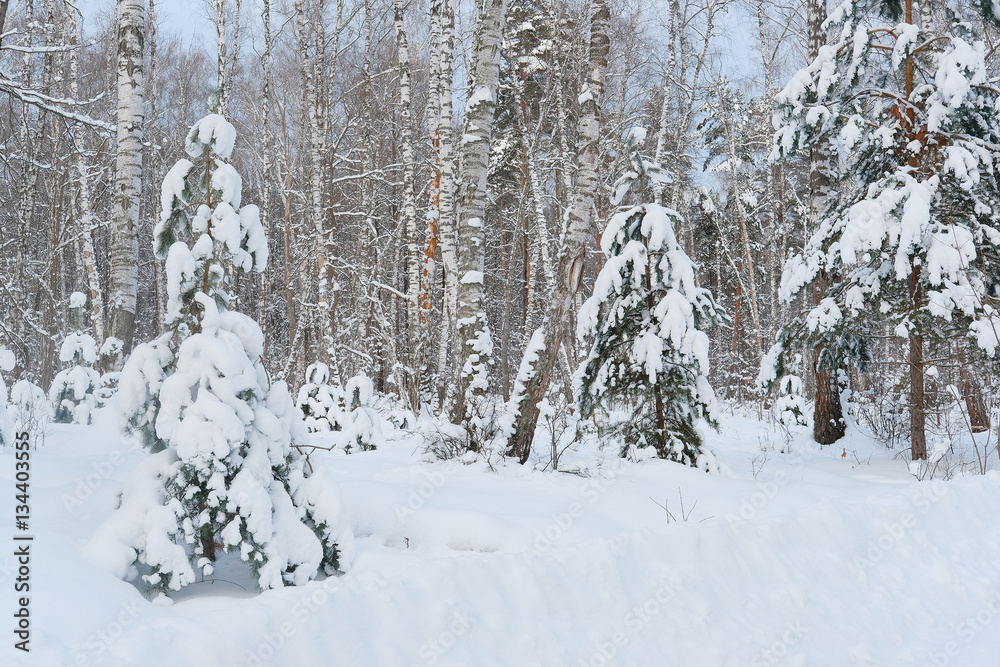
(833, 556)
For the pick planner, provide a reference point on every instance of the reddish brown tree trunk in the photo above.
(828, 417)
(918, 412)
(979, 416)
(918, 398)
(661, 425)
(828, 414)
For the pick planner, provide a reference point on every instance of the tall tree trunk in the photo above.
(286, 238)
(772, 194)
(578, 236)
(918, 398)
(475, 342)
(84, 216)
(310, 29)
(979, 416)
(446, 224)
(267, 168)
(155, 165)
(828, 413)
(413, 248)
(538, 234)
(123, 279)
(222, 91)
(433, 114)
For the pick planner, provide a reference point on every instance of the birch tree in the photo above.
(123, 278)
(84, 214)
(474, 338)
(445, 212)
(409, 211)
(312, 61)
(574, 243)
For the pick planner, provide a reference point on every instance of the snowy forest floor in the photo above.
(816, 556)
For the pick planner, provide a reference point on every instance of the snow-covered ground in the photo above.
(834, 556)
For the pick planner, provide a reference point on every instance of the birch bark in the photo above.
(475, 343)
(84, 216)
(123, 278)
(413, 249)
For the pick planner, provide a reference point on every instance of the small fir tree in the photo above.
(109, 358)
(30, 406)
(365, 430)
(221, 433)
(319, 402)
(6, 425)
(649, 355)
(72, 389)
(790, 408)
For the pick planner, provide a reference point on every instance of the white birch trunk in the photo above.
(84, 216)
(446, 226)
(267, 168)
(828, 413)
(475, 342)
(310, 66)
(413, 249)
(540, 243)
(771, 194)
(221, 61)
(123, 278)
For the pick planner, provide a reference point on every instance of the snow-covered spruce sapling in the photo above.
(220, 432)
(109, 360)
(366, 423)
(72, 390)
(914, 237)
(6, 425)
(321, 404)
(30, 407)
(790, 408)
(649, 356)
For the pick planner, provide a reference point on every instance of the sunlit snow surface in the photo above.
(827, 557)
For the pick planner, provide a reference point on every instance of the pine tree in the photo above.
(221, 433)
(73, 389)
(649, 355)
(914, 236)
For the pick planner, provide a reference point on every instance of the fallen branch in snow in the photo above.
(312, 448)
